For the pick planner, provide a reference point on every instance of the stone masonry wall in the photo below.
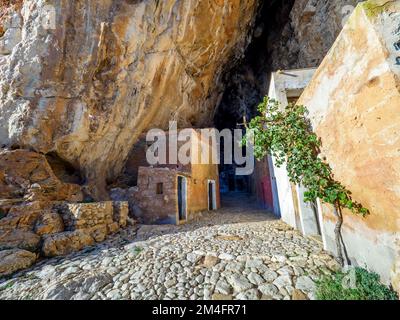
(85, 224)
(40, 215)
(160, 208)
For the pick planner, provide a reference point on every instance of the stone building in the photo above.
(173, 193)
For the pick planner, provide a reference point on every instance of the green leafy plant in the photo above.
(287, 135)
(8, 285)
(367, 286)
(137, 250)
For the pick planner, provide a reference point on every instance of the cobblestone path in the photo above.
(238, 252)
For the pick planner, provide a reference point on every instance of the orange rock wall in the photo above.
(112, 69)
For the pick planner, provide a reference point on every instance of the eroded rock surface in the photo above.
(312, 28)
(111, 69)
(353, 101)
(12, 239)
(14, 260)
(27, 176)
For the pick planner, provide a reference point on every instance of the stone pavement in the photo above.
(238, 252)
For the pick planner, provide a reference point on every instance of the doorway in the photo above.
(296, 205)
(182, 198)
(212, 195)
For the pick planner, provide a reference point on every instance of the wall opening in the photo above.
(212, 195)
(160, 188)
(64, 170)
(182, 198)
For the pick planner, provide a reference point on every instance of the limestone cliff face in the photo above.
(288, 34)
(111, 69)
(309, 33)
(85, 90)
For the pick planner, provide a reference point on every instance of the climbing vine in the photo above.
(287, 135)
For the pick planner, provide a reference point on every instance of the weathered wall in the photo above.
(111, 69)
(201, 173)
(287, 35)
(198, 186)
(354, 104)
(156, 208)
(261, 185)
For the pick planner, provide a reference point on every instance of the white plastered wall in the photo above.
(284, 85)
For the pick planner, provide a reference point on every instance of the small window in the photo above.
(160, 188)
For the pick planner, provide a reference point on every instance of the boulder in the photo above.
(99, 233)
(66, 242)
(49, 222)
(353, 101)
(14, 260)
(11, 239)
(23, 216)
(29, 176)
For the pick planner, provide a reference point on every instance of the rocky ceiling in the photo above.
(287, 35)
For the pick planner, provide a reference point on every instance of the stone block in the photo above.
(23, 216)
(121, 210)
(12, 239)
(66, 242)
(112, 228)
(78, 216)
(14, 260)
